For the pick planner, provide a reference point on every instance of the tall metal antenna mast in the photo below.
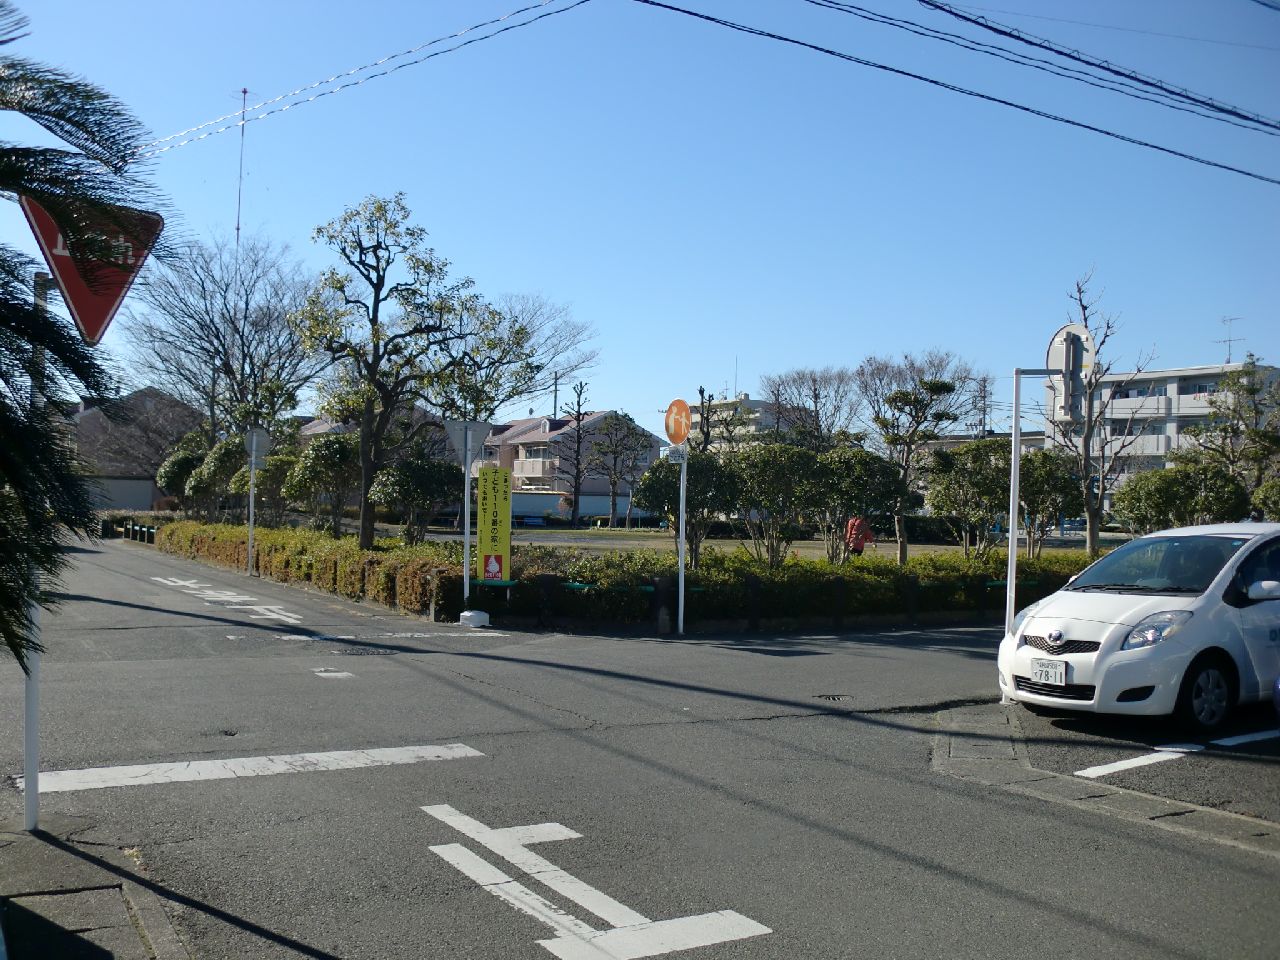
(244, 100)
(1229, 339)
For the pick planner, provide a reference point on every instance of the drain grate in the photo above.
(835, 696)
(366, 652)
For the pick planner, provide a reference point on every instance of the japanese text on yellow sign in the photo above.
(493, 524)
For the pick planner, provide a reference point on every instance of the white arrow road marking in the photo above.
(1172, 752)
(95, 778)
(268, 612)
(175, 582)
(227, 596)
(510, 845)
(632, 936)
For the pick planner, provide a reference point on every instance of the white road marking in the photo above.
(1171, 752)
(515, 893)
(510, 845)
(95, 778)
(175, 582)
(1247, 738)
(632, 935)
(328, 673)
(222, 596)
(268, 612)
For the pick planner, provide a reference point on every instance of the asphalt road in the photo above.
(711, 785)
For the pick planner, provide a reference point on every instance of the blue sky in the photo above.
(712, 201)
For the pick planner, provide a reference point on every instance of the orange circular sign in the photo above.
(678, 421)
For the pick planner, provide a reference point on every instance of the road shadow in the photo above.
(30, 936)
(240, 923)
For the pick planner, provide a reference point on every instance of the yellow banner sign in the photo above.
(493, 524)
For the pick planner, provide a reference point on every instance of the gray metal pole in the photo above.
(1015, 470)
(253, 486)
(31, 718)
(684, 473)
(466, 517)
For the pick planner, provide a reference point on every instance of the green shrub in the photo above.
(426, 578)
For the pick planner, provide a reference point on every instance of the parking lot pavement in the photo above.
(1237, 770)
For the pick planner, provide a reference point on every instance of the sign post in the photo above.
(467, 437)
(31, 686)
(93, 303)
(1015, 474)
(258, 443)
(677, 423)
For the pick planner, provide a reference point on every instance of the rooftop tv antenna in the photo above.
(1229, 339)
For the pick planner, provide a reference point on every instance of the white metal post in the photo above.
(466, 517)
(253, 487)
(684, 473)
(1015, 469)
(31, 717)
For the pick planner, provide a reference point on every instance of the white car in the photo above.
(1182, 621)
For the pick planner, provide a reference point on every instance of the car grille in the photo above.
(1065, 646)
(1072, 691)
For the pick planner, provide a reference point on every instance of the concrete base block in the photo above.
(474, 618)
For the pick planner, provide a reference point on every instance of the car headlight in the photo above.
(1151, 630)
(1021, 617)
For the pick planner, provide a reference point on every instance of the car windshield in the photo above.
(1174, 565)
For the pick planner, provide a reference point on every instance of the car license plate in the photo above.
(1049, 671)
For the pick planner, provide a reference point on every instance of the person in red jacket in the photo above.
(857, 533)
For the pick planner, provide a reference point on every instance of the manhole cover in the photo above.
(834, 696)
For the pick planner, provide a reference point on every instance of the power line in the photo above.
(1112, 26)
(1041, 43)
(146, 152)
(1038, 63)
(754, 31)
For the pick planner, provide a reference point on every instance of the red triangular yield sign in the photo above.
(94, 302)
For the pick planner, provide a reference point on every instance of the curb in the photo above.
(985, 745)
(76, 892)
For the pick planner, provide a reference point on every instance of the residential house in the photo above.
(537, 452)
(123, 451)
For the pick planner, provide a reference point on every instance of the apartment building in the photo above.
(734, 421)
(533, 448)
(1148, 413)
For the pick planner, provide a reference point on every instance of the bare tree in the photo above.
(620, 450)
(1095, 440)
(571, 450)
(508, 351)
(216, 333)
(908, 403)
(812, 405)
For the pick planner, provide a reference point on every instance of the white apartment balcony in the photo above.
(1151, 445)
(534, 469)
(1194, 405)
(1140, 408)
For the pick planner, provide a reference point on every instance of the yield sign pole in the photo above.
(31, 717)
(94, 299)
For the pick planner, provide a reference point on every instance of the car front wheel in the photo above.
(1208, 695)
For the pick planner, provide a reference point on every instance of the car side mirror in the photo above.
(1265, 590)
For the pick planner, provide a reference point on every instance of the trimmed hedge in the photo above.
(618, 588)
